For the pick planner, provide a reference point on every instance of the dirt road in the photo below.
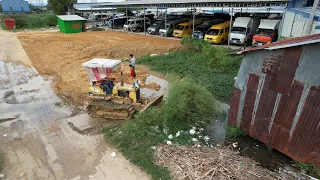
(35, 135)
(61, 55)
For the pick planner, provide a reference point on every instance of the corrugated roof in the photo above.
(290, 42)
(71, 18)
(152, 2)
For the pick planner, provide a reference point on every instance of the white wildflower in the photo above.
(170, 136)
(192, 131)
(194, 139)
(178, 134)
(169, 142)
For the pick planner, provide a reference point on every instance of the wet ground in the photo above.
(41, 136)
(38, 139)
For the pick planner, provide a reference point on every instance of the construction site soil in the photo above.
(61, 55)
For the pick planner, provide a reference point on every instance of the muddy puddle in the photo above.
(43, 137)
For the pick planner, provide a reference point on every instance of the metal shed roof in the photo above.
(290, 42)
(195, 3)
(71, 18)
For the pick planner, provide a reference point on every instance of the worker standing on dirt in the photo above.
(132, 72)
(132, 60)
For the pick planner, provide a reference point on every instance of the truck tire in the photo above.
(222, 41)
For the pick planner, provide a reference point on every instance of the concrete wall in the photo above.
(15, 6)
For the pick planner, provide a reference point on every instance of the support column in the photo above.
(127, 17)
(112, 18)
(165, 23)
(144, 21)
(230, 25)
(194, 16)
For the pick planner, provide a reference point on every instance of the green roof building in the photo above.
(71, 24)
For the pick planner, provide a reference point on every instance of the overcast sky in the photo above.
(80, 1)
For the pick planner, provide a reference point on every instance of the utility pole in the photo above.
(310, 20)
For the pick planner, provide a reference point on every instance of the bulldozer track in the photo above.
(110, 104)
(107, 109)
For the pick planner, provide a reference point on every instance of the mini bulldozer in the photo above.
(109, 100)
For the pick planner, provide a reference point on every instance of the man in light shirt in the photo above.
(132, 60)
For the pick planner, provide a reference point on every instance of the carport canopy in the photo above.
(193, 3)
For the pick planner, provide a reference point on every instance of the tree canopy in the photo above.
(60, 6)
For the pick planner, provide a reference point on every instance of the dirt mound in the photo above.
(61, 55)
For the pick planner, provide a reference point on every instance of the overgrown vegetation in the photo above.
(211, 67)
(188, 105)
(188, 108)
(234, 132)
(309, 169)
(33, 21)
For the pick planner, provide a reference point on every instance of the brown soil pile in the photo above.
(186, 163)
(61, 55)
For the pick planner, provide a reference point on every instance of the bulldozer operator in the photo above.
(107, 85)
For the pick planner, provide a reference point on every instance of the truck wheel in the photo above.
(221, 42)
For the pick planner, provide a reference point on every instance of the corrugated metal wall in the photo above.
(293, 25)
(287, 24)
(281, 106)
(15, 6)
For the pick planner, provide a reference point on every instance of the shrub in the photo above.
(189, 104)
(50, 20)
(234, 132)
(32, 21)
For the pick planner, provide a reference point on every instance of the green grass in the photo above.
(33, 21)
(310, 169)
(234, 132)
(211, 67)
(134, 140)
(306, 167)
(188, 106)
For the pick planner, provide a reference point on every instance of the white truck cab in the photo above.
(243, 29)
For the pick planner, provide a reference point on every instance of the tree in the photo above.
(60, 6)
(0, 8)
(35, 8)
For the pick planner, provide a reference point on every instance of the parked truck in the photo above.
(243, 30)
(267, 32)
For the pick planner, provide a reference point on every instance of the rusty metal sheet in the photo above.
(259, 129)
(234, 107)
(249, 101)
(280, 132)
(289, 63)
(305, 142)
